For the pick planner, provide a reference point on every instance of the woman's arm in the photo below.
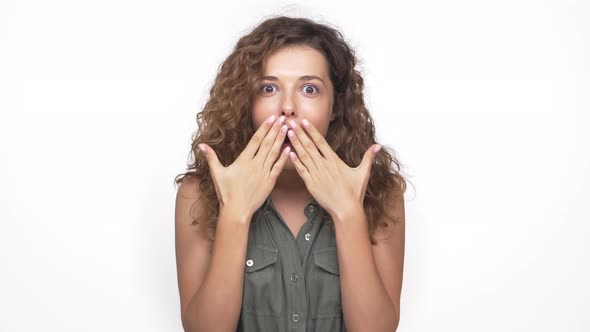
(371, 276)
(210, 274)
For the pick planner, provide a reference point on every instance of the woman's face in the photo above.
(296, 83)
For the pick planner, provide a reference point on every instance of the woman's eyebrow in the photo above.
(302, 78)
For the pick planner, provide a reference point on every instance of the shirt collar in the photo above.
(313, 208)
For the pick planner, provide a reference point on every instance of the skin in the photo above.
(371, 276)
(313, 167)
(291, 95)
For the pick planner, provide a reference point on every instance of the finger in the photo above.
(318, 139)
(301, 169)
(308, 145)
(210, 156)
(280, 164)
(269, 139)
(258, 137)
(302, 153)
(276, 147)
(369, 157)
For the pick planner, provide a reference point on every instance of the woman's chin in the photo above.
(289, 164)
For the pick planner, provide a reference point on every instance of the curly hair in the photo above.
(225, 123)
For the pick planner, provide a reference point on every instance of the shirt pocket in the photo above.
(324, 284)
(262, 293)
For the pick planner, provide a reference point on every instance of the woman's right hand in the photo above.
(246, 183)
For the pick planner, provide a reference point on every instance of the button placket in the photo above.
(310, 209)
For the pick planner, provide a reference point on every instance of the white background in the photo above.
(487, 105)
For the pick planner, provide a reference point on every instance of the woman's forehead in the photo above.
(295, 62)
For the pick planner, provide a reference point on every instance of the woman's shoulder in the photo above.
(190, 206)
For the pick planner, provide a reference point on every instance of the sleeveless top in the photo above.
(291, 284)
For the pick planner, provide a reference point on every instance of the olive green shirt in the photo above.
(291, 284)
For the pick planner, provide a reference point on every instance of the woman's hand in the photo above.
(334, 185)
(247, 182)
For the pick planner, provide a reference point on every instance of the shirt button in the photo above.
(294, 277)
(307, 237)
(311, 208)
(249, 262)
(295, 318)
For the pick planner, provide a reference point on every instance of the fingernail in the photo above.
(281, 119)
(202, 147)
(305, 123)
(293, 124)
(271, 119)
(377, 148)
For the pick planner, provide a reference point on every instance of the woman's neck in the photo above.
(290, 185)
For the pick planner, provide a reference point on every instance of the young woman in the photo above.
(298, 214)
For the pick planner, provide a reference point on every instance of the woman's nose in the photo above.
(288, 104)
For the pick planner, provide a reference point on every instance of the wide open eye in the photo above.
(267, 88)
(310, 89)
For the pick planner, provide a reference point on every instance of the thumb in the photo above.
(210, 155)
(370, 155)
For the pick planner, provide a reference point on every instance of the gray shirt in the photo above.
(291, 284)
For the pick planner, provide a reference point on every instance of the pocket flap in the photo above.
(258, 257)
(327, 259)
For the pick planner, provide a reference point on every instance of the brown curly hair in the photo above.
(225, 123)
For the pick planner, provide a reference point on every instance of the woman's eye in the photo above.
(266, 88)
(310, 89)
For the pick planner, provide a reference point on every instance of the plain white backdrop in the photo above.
(487, 105)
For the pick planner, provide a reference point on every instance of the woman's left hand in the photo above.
(334, 185)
